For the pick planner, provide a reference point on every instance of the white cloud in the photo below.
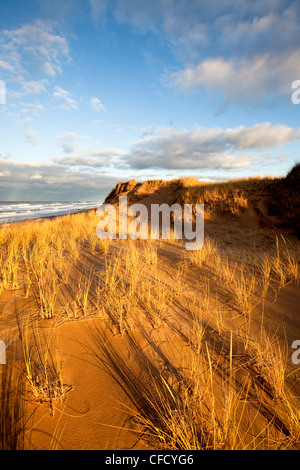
(35, 87)
(68, 141)
(32, 136)
(184, 149)
(76, 156)
(25, 121)
(5, 174)
(244, 80)
(32, 50)
(49, 69)
(233, 27)
(33, 109)
(261, 136)
(29, 88)
(98, 9)
(36, 44)
(246, 50)
(68, 102)
(91, 158)
(5, 65)
(30, 56)
(97, 105)
(36, 177)
(60, 93)
(31, 181)
(203, 148)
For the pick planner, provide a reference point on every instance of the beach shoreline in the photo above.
(50, 217)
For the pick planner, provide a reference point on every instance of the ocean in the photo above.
(15, 211)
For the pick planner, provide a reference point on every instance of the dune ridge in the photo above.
(269, 202)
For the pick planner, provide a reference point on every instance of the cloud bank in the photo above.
(204, 148)
(91, 173)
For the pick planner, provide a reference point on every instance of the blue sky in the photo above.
(99, 91)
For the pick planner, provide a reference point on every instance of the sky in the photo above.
(102, 91)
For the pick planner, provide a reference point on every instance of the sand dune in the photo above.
(135, 344)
